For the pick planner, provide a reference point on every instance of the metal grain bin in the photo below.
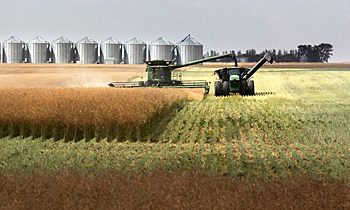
(86, 51)
(135, 51)
(111, 49)
(13, 50)
(188, 50)
(161, 49)
(62, 51)
(38, 50)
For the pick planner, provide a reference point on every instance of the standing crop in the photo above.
(76, 113)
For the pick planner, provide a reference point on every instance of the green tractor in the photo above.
(160, 74)
(238, 79)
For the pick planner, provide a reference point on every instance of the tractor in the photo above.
(238, 79)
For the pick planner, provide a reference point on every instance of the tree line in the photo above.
(304, 53)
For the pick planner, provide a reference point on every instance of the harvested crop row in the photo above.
(75, 113)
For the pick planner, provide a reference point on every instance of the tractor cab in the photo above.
(231, 73)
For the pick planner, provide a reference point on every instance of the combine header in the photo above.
(160, 74)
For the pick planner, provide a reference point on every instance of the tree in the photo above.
(316, 53)
(325, 51)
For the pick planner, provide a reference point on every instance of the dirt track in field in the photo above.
(161, 190)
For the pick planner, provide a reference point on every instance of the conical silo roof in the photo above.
(62, 39)
(135, 41)
(38, 39)
(111, 40)
(161, 41)
(13, 39)
(87, 40)
(189, 41)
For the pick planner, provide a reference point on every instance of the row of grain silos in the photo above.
(135, 51)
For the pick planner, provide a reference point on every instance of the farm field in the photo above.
(66, 75)
(295, 128)
(94, 75)
(296, 124)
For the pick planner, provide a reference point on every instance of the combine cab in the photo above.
(160, 74)
(238, 79)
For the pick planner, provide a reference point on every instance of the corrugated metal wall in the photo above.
(111, 48)
(135, 51)
(161, 49)
(38, 50)
(13, 50)
(62, 51)
(188, 50)
(86, 51)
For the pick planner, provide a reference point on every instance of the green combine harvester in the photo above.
(160, 74)
(238, 79)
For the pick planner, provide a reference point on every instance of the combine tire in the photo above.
(226, 88)
(251, 91)
(218, 88)
(243, 89)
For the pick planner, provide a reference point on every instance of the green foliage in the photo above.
(316, 53)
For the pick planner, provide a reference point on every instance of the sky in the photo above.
(220, 25)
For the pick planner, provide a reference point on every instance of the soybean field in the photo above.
(296, 125)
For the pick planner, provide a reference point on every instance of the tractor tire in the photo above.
(243, 89)
(251, 90)
(226, 88)
(218, 88)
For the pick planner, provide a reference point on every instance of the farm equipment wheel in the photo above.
(218, 88)
(243, 89)
(225, 88)
(251, 91)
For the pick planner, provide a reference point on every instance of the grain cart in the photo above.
(238, 79)
(160, 74)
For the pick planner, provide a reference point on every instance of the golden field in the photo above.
(66, 75)
(59, 112)
(74, 101)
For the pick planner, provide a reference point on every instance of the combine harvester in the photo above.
(160, 74)
(238, 79)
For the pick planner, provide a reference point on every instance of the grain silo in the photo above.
(38, 50)
(86, 51)
(13, 50)
(62, 50)
(161, 49)
(188, 50)
(111, 49)
(135, 51)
